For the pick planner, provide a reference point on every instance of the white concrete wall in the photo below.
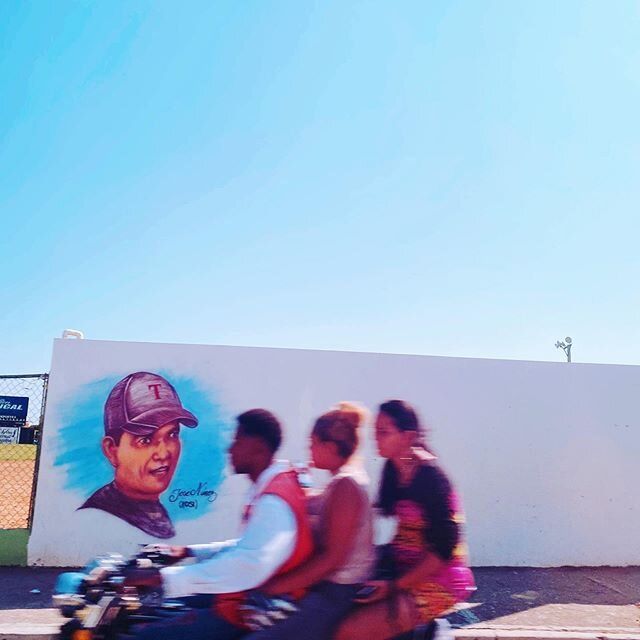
(545, 455)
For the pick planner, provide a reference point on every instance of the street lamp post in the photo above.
(565, 345)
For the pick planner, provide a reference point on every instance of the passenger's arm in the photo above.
(429, 566)
(266, 544)
(442, 536)
(345, 508)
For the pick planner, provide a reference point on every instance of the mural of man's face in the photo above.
(144, 465)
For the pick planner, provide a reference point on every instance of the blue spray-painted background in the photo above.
(204, 449)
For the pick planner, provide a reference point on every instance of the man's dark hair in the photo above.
(261, 423)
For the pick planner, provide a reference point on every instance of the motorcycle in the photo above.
(100, 606)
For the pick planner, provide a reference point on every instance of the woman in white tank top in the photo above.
(344, 532)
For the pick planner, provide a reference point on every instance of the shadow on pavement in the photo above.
(505, 591)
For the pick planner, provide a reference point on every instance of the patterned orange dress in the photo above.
(429, 519)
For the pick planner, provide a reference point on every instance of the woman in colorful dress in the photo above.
(429, 571)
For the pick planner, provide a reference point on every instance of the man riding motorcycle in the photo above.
(275, 538)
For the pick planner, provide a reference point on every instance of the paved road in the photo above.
(595, 598)
(509, 603)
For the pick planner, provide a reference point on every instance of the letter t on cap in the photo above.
(156, 390)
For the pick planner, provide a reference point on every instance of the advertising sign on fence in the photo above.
(13, 411)
(9, 435)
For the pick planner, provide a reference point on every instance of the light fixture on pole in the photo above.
(565, 345)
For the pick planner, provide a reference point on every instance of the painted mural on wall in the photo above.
(148, 448)
(485, 414)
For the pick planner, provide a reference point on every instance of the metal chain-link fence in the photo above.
(22, 401)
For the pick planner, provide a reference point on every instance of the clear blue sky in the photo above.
(449, 178)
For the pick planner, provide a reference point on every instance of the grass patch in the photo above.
(13, 547)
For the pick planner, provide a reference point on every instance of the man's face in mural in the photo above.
(144, 465)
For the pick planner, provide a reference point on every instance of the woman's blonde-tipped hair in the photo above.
(340, 425)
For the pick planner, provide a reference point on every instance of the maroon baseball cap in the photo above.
(143, 402)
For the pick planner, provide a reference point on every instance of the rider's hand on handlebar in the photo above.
(180, 553)
(172, 553)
